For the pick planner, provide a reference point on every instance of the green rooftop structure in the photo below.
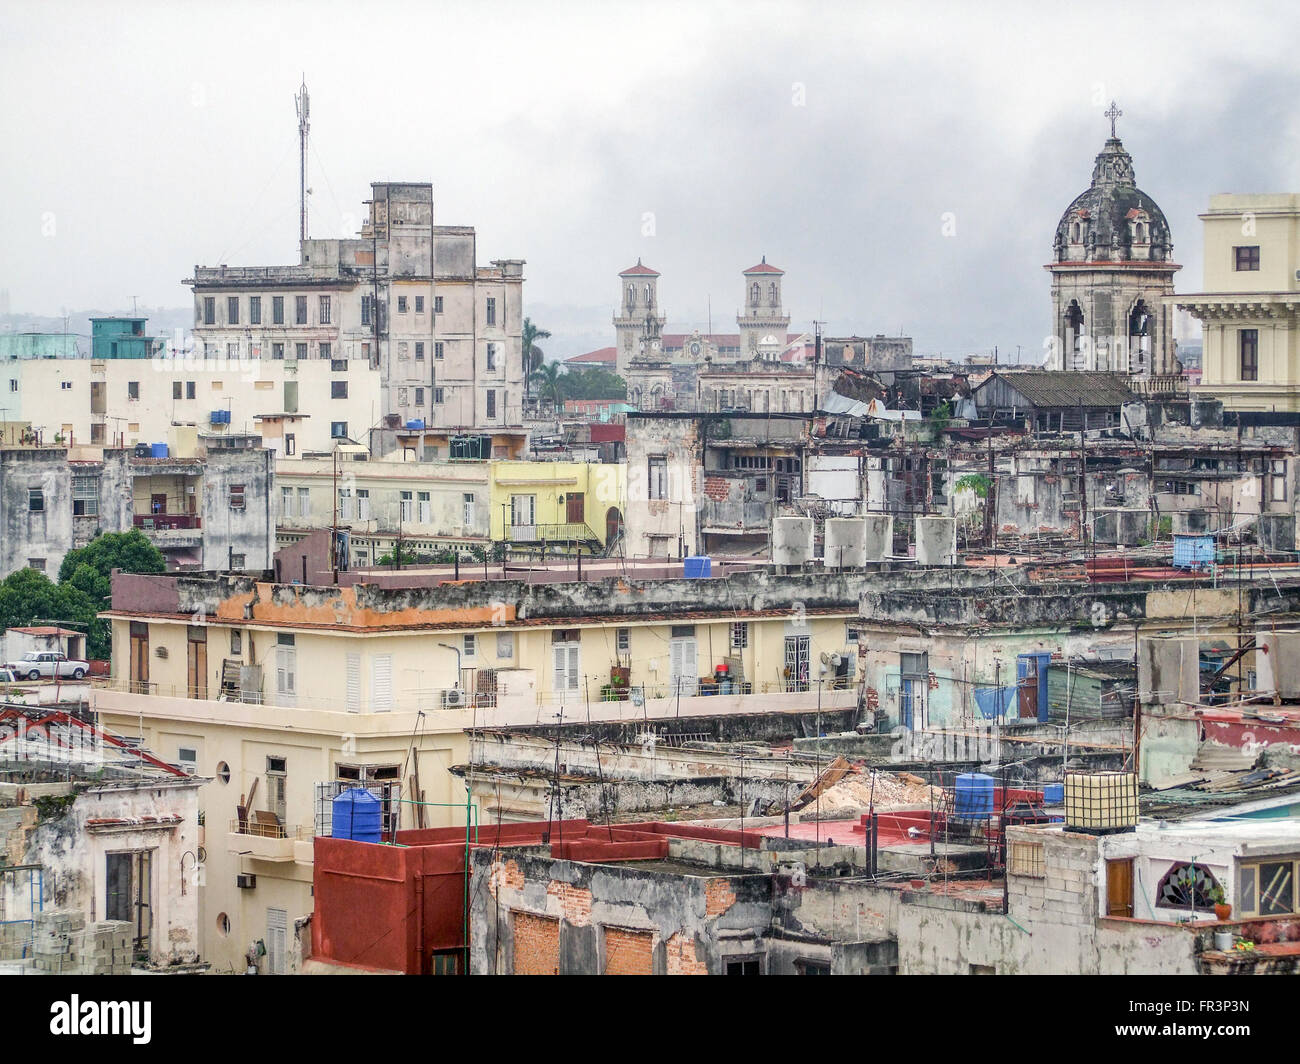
(120, 338)
(33, 345)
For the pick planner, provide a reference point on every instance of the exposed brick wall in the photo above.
(537, 945)
(628, 952)
(718, 897)
(717, 488)
(575, 902)
(681, 956)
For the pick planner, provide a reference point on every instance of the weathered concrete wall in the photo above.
(39, 478)
(231, 531)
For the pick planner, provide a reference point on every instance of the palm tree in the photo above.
(532, 353)
(549, 382)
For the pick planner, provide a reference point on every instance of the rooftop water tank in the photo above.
(158, 450)
(1053, 793)
(878, 539)
(356, 814)
(1101, 803)
(974, 796)
(697, 568)
(936, 541)
(845, 546)
(792, 540)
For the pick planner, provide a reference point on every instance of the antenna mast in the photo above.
(304, 127)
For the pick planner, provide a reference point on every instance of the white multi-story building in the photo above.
(404, 298)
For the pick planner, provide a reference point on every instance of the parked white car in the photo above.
(47, 665)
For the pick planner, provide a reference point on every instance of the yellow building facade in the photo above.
(1248, 308)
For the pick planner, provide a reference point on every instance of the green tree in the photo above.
(532, 353)
(29, 597)
(593, 383)
(88, 571)
(550, 382)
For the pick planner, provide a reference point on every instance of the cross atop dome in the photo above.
(1113, 112)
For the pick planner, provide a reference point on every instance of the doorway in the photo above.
(128, 893)
(1119, 887)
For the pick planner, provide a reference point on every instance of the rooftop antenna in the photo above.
(304, 127)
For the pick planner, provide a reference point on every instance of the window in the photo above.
(623, 640)
(276, 775)
(437, 396)
(406, 505)
(345, 504)
(36, 563)
(300, 310)
(232, 310)
(65, 385)
(491, 310)
(467, 509)
(505, 645)
(189, 389)
(1249, 354)
(188, 759)
(176, 389)
(237, 561)
(236, 496)
(401, 304)
(491, 357)
(1247, 258)
(658, 476)
(277, 310)
(419, 397)
(365, 310)
(470, 645)
(426, 508)
(812, 967)
(1267, 888)
(745, 965)
(437, 304)
(338, 389)
(286, 502)
(209, 310)
(437, 350)
(419, 351)
(277, 350)
(739, 635)
(363, 504)
(133, 389)
(325, 350)
(35, 500)
(523, 509)
(565, 649)
(1277, 468)
(1187, 886)
(85, 496)
(254, 310)
(236, 642)
(324, 310)
(13, 384)
(300, 352)
(403, 398)
(1026, 859)
(338, 430)
(491, 403)
(304, 502)
(419, 304)
(402, 350)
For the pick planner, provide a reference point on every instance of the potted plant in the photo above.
(1222, 910)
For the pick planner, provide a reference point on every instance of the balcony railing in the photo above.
(568, 532)
(262, 836)
(166, 522)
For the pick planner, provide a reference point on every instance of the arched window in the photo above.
(648, 300)
(1141, 233)
(631, 295)
(1188, 886)
(1074, 233)
(753, 294)
(772, 297)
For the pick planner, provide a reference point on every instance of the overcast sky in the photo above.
(142, 138)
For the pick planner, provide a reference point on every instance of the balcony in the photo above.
(569, 532)
(171, 531)
(263, 837)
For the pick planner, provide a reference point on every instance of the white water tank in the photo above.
(936, 540)
(1277, 663)
(845, 546)
(792, 540)
(1169, 670)
(878, 537)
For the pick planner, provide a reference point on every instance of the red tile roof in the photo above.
(607, 355)
(639, 271)
(763, 267)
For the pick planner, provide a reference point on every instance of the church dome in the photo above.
(1114, 220)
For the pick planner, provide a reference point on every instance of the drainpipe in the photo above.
(419, 925)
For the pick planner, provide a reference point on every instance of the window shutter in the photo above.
(354, 683)
(381, 683)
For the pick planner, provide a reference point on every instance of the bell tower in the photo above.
(761, 319)
(638, 314)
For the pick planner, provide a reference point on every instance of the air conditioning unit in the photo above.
(454, 697)
(245, 881)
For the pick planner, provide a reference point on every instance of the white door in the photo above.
(354, 683)
(566, 667)
(286, 668)
(381, 683)
(683, 671)
(277, 941)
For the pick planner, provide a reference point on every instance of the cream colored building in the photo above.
(326, 686)
(295, 406)
(1248, 307)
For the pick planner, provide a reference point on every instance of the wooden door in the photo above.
(1119, 887)
(576, 502)
(198, 662)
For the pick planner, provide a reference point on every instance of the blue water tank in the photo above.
(1053, 794)
(358, 815)
(974, 794)
(158, 450)
(415, 423)
(698, 568)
